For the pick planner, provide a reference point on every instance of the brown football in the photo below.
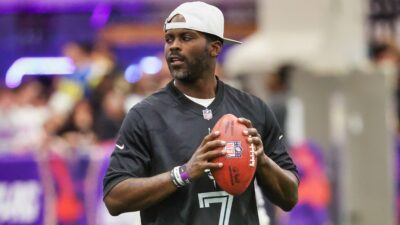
(239, 162)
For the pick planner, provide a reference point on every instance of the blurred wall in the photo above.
(329, 39)
(349, 117)
(323, 35)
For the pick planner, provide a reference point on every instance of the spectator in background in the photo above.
(103, 64)
(29, 114)
(111, 115)
(277, 85)
(78, 103)
(384, 57)
(107, 84)
(108, 105)
(383, 51)
(72, 88)
(78, 129)
(92, 64)
(81, 55)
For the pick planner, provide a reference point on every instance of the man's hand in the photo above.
(209, 149)
(254, 138)
(279, 185)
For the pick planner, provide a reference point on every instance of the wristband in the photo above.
(184, 174)
(180, 176)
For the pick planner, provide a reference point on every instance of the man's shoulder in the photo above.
(158, 100)
(241, 95)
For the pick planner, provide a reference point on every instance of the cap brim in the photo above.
(231, 41)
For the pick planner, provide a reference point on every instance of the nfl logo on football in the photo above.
(233, 149)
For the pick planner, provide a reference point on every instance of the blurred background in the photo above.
(329, 69)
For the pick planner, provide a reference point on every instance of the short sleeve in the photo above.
(131, 156)
(275, 144)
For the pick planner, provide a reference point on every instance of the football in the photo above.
(239, 162)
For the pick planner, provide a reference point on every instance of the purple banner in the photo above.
(21, 191)
(56, 190)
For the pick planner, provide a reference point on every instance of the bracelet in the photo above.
(173, 179)
(180, 176)
(184, 174)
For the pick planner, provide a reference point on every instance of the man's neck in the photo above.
(203, 88)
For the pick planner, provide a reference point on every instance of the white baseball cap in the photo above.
(201, 17)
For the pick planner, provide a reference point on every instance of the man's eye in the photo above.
(187, 38)
(168, 40)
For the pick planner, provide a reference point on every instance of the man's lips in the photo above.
(175, 60)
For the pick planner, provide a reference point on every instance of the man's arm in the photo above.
(138, 193)
(280, 185)
(135, 194)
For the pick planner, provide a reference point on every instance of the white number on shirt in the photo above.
(207, 198)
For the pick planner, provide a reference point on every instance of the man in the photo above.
(163, 153)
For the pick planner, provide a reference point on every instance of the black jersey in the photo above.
(165, 129)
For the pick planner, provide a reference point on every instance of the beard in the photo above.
(192, 69)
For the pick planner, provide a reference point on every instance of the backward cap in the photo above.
(201, 17)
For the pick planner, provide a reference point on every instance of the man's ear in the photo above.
(216, 47)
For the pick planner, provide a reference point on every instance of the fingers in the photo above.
(209, 146)
(252, 132)
(254, 138)
(257, 144)
(211, 165)
(213, 154)
(210, 137)
(245, 122)
(208, 150)
(210, 155)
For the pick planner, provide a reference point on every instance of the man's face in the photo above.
(187, 54)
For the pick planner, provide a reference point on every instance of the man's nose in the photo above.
(175, 45)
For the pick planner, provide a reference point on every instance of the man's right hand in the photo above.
(209, 149)
(139, 193)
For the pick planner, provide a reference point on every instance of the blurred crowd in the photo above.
(79, 111)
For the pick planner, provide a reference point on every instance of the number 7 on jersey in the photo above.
(207, 198)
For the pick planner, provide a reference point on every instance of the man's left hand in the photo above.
(254, 138)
